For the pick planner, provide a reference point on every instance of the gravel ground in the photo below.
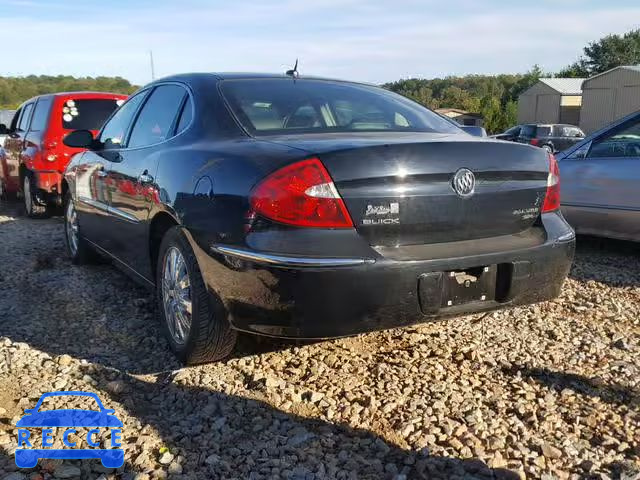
(548, 391)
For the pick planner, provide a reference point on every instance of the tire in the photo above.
(80, 252)
(31, 208)
(4, 193)
(209, 336)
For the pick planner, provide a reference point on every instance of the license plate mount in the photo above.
(476, 284)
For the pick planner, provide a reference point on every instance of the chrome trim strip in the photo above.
(106, 208)
(125, 216)
(287, 261)
(99, 205)
(599, 207)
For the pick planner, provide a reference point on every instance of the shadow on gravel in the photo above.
(614, 394)
(226, 436)
(612, 262)
(91, 312)
(98, 314)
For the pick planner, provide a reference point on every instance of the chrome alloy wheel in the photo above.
(71, 227)
(176, 295)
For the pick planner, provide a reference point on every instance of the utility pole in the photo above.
(153, 72)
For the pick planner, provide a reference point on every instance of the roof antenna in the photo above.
(294, 71)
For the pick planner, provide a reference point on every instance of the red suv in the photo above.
(34, 156)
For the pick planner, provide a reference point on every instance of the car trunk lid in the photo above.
(399, 188)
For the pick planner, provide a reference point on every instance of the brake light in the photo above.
(301, 194)
(534, 141)
(48, 146)
(552, 197)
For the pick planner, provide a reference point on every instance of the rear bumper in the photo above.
(49, 186)
(282, 296)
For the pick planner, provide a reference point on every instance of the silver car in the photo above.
(601, 181)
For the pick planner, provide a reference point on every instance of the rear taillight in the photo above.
(552, 197)
(534, 141)
(301, 194)
(49, 147)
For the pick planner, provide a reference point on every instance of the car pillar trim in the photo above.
(289, 261)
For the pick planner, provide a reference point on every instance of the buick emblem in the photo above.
(464, 182)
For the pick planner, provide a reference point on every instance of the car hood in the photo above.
(69, 418)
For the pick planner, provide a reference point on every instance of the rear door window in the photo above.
(574, 132)
(543, 131)
(41, 115)
(155, 121)
(86, 113)
(115, 129)
(23, 123)
(528, 131)
(185, 117)
(624, 142)
(14, 121)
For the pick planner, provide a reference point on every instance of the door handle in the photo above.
(145, 177)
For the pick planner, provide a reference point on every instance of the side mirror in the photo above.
(3, 129)
(79, 139)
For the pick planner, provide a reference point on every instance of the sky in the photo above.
(365, 40)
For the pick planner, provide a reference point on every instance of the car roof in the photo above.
(552, 125)
(186, 77)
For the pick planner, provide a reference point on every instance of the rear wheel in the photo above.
(78, 248)
(31, 207)
(194, 319)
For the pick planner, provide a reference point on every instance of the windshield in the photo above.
(287, 106)
(87, 114)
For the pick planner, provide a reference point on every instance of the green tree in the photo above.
(493, 96)
(604, 54)
(15, 90)
(510, 114)
(575, 70)
(491, 111)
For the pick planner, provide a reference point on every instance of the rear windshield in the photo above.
(87, 114)
(287, 106)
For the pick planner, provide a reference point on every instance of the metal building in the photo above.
(462, 116)
(609, 96)
(551, 100)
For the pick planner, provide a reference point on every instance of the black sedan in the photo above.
(309, 208)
